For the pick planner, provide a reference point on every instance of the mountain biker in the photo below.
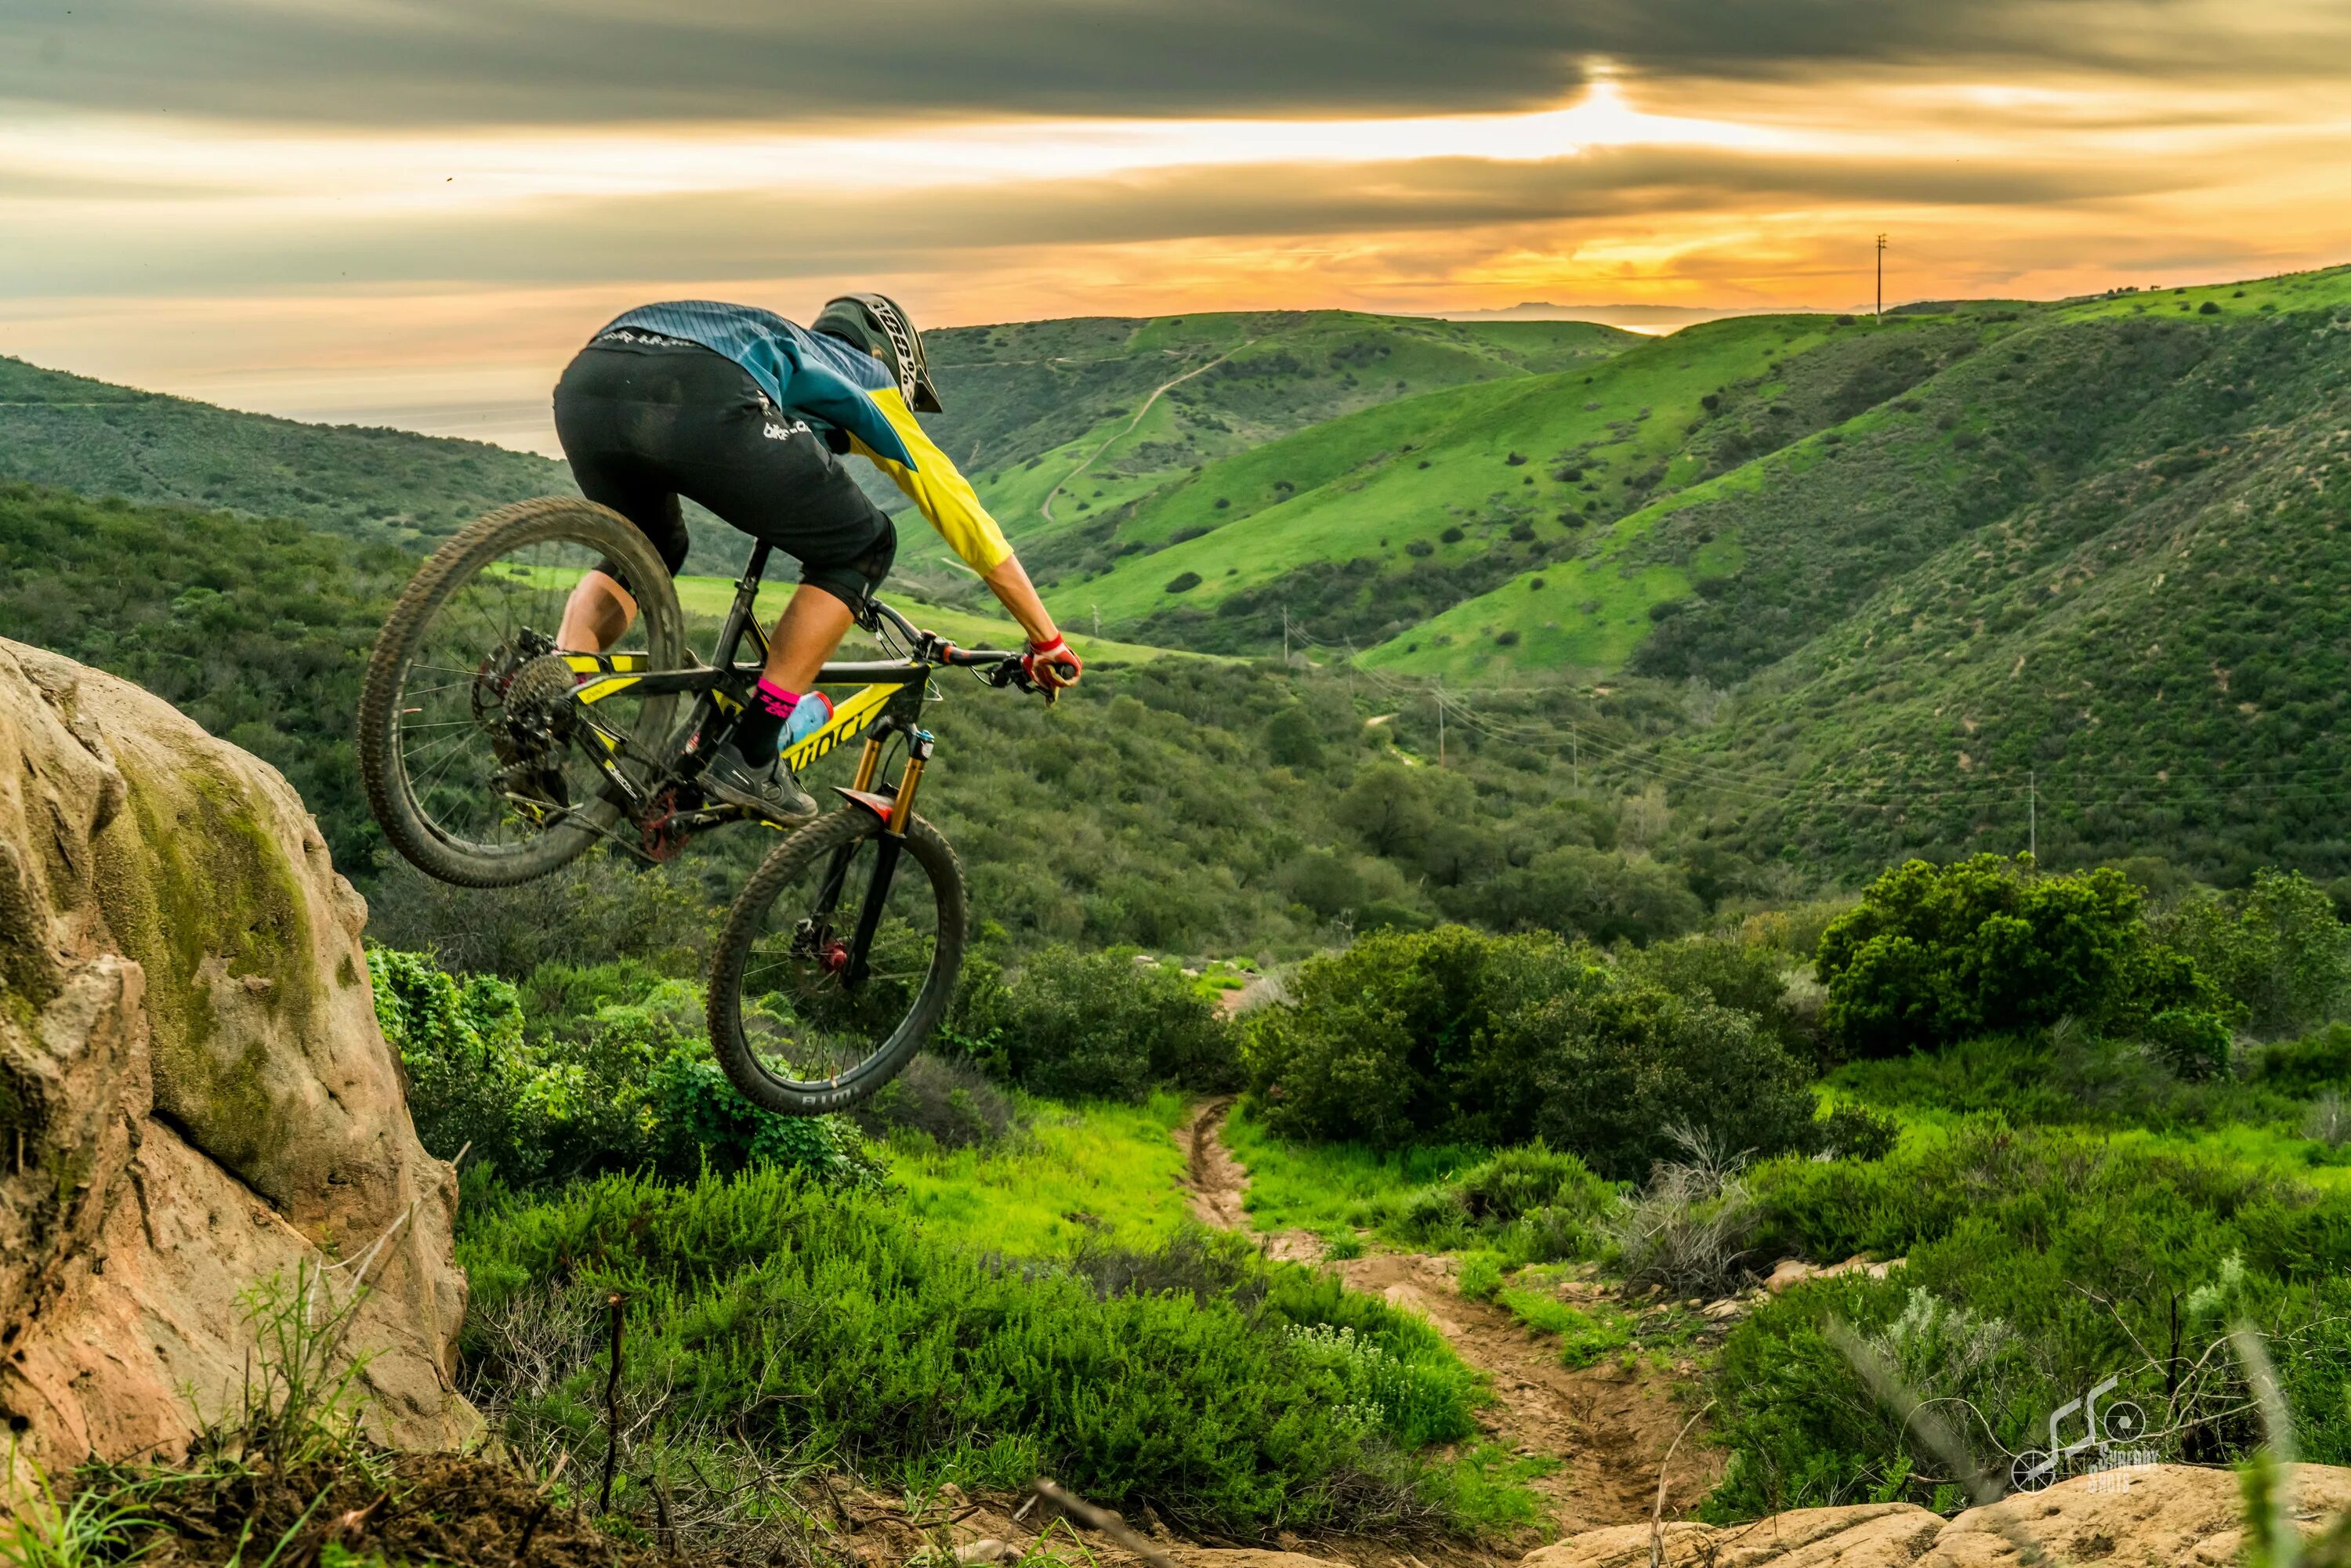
(748, 413)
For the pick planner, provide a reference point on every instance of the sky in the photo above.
(410, 212)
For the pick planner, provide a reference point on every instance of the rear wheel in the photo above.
(479, 757)
(821, 990)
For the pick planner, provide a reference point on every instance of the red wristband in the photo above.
(1059, 644)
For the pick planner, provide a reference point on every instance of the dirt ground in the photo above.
(1611, 1430)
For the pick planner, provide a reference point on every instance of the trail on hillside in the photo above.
(1045, 506)
(1610, 1429)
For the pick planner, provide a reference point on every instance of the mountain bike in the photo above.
(492, 757)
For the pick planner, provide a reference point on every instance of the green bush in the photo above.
(2278, 949)
(2320, 1060)
(1936, 954)
(1851, 1131)
(1106, 1026)
(1629, 1065)
(2038, 1263)
(618, 1079)
(1747, 975)
(470, 1084)
(1233, 1398)
(1390, 1042)
(1450, 1036)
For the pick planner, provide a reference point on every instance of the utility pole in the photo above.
(2033, 814)
(1881, 277)
(1440, 723)
(1097, 610)
(1285, 636)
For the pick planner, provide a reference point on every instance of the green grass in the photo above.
(1329, 1187)
(1586, 1336)
(1101, 1169)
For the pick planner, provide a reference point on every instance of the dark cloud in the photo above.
(702, 239)
(386, 62)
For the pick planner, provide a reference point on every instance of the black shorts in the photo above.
(644, 424)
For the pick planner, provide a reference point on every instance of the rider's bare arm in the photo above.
(1013, 589)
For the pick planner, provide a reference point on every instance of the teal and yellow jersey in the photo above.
(819, 377)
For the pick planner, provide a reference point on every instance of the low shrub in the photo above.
(1106, 1026)
(1240, 1399)
(1689, 1230)
(625, 1082)
(1936, 954)
(949, 1104)
(2038, 1263)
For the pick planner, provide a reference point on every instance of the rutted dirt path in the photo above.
(1610, 1429)
(1045, 508)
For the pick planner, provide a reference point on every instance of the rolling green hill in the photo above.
(1719, 578)
(1058, 422)
(1363, 525)
(2084, 587)
(391, 485)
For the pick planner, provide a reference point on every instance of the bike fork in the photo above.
(869, 763)
(886, 849)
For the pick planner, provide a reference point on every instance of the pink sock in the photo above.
(779, 702)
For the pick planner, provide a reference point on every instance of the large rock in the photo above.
(2161, 1515)
(195, 1097)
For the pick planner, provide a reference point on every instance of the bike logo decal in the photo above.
(850, 720)
(598, 664)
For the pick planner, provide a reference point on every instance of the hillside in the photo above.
(1057, 421)
(1366, 526)
(2084, 588)
(371, 484)
(1823, 513)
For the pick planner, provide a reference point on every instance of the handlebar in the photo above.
(998, 666)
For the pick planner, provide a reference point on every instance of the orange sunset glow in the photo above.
(410, 212)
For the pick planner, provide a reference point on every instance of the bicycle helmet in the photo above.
(876, 322)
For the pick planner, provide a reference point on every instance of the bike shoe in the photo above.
(766, 789)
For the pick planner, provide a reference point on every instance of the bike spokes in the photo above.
(845, 951)
(495, 746)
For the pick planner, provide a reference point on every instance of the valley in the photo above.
(1383, 1079)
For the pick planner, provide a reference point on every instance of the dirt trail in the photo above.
(1045, 508)
(1610, 1429)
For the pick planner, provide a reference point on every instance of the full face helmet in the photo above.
(885, 328)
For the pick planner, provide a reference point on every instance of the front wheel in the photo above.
(837, 961)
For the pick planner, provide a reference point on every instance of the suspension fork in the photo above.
(836, 871)
(886, 850)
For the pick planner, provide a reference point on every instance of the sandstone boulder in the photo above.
(194, 1096)
(2161, 1514)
